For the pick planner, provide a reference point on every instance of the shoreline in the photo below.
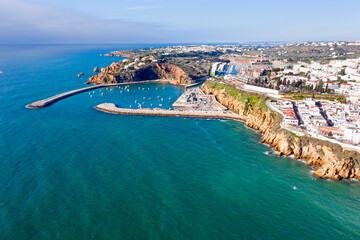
(330, 160)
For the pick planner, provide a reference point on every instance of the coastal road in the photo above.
(269, 105)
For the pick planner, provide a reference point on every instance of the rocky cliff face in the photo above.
(153, 71)
(329, 160)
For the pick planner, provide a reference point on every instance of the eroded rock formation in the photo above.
(113, 74)
(330, 161)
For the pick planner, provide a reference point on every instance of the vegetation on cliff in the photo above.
(329, 159)
(251, 101)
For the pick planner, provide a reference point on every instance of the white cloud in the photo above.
(22, 22)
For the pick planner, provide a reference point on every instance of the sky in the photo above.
(173, 21)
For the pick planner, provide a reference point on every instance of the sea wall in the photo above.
(329, 159)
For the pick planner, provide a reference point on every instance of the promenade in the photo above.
(112, 108)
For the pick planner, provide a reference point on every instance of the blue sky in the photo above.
(170, 21)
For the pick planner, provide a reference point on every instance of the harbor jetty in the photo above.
(48, 101)
(112, 108)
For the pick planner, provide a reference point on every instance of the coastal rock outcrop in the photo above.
(116, 74)
(329, 160)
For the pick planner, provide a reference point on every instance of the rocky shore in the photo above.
(115, 74)
(330, 161)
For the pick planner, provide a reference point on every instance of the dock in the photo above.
(112, 108)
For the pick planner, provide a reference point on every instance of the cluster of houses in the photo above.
(288, 112)
(201, 48)
(334, 120)
(344, 119)
(313, 73)
(138, 62)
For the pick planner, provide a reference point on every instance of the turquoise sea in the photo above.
(71, 172)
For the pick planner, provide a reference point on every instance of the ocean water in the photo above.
(69, 171)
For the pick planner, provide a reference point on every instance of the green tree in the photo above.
(268, 74)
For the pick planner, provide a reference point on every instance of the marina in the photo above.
(192, 103)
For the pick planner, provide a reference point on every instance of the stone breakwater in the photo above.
(329, 160)
(48, 101)
(112, 108)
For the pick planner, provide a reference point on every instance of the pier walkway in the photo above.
(112, 108)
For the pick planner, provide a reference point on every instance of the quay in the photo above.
(112, 108)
